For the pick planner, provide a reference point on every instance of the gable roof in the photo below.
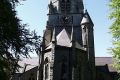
(63, 39)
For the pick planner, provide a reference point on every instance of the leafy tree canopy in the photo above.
(115, 31)
(15, 39)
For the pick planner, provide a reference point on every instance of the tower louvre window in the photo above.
(65, 6)
(68, 6)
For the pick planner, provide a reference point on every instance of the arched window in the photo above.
(46, 68)
(46, 71)
(65, 6)
(84, 35)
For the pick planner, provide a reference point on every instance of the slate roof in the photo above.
(31, 63)
(102, 61)
(99, 61)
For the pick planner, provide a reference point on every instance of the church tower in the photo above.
(68, 43)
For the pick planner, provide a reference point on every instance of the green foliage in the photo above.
(115, 31)
(15, 39)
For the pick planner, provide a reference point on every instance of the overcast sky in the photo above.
(34, 13)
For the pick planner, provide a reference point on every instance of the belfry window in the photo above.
(65, 6)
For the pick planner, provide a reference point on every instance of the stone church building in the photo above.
(67, 51)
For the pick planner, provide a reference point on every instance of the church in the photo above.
(67, 50)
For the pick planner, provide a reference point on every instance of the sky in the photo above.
(34, 13)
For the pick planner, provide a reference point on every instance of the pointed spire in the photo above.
(51, 8)
(88, 16)
(86, 19)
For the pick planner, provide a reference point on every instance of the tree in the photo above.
(115, 31)
(15, 39)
